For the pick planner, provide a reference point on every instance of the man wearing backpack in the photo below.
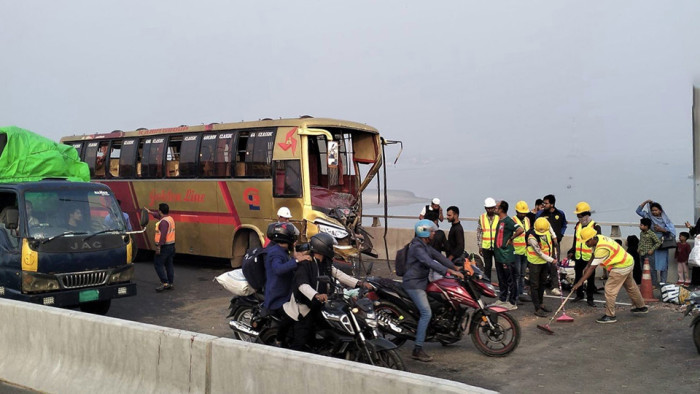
(420, 260)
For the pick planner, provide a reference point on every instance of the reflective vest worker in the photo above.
(540, 252)
(581, 253)
(519, 243)
(486, 234)
(165, 247)
(620, 264)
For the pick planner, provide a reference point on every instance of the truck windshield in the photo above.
(80, 211)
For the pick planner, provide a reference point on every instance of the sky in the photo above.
(510, 99)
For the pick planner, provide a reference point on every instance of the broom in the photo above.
(564, 317)
(545, 327)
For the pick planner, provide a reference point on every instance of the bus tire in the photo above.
(96, 307)
(242, 241)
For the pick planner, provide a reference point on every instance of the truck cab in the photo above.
(64, 244)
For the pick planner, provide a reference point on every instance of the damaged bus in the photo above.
(225, 182)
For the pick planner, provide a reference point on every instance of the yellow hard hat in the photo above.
(588, 233)
(541, 226)
(521, 207)
(582, 207)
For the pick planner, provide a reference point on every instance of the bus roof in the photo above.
(308, 122)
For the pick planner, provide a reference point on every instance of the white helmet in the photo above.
(284, 213)
(436, 201)
(489, 203)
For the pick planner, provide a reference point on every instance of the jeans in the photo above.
(506, 282)
(420, 298)
(163, 264)
(520, 268)
(488, 262)
(538, 275)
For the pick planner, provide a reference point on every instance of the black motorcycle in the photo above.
(245, 310)
(348, 331)
(694, 308)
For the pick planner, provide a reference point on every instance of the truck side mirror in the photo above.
(11, 218)
(144, 217)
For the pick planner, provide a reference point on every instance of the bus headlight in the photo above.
(124, 275)
(33, 282)
(333, 231)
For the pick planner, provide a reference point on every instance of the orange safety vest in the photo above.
(170, 236)
(488, 233)
(545, 247)
(582, 251)
(617, 257)
(519, 242)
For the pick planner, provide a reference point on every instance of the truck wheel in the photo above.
(96, 307)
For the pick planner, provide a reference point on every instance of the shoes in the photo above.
(544, 308)
(420, 355)
(164, 286)
(510, 307)
(607, 319)
(577, 299)
(555, 292)
(680, 283)
(640, 310)
(525, 298)
(591, 303)
(687, 283)
(540, 313)
(499, 303)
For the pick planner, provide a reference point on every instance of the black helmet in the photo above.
(281, 233)
(322, 243)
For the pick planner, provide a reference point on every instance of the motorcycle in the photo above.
(348, 331)
(456, 308)
(245, 310)
(694, 308)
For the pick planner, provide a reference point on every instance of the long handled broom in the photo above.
(564, 318)
(545, 327)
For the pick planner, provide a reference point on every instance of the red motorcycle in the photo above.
(456, 308)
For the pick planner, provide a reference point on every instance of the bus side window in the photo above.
(90, 157)
(78, 147)
(128, 155)
(114, 155)
(101, 160)
(188, 156)
(224, 155)
(241, 153)
(206, 155)
(172, 157)
(153, 155)
(258, 153)
(287, 178)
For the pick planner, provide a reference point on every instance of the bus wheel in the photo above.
(96, 307)
(242, 241)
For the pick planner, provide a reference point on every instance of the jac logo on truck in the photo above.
(85, 245)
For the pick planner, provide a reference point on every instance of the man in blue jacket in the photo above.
(420, 260)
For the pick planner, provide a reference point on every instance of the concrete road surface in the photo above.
(652, 353)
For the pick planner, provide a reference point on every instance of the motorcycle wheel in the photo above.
(499, 341)
(390, 359)
(696, 336)
(391, 311)
(267, 336)
(243, 315)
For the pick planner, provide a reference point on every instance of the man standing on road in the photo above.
(455, 239)
(520, 246)
(432, 212)
(532, 215)
(506, 231)
(420, 260)
(620, 264)
(486, 234)
(581, 253)
(557, 221)
(165, 247)
(540, 254)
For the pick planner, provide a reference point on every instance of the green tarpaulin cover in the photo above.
(27, 156)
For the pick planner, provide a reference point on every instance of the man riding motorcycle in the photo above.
(420, 260)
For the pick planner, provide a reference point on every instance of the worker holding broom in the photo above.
(619, 264)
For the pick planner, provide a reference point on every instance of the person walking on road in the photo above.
(581, 253)
(540, 254)
(520, 246)
(432, 212)
(165, 247)
(486, 234)
(612, 257)
(455, 238)
(557, 221)
(420, 260)
(504, 254)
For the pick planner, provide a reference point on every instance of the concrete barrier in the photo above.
(61, 351)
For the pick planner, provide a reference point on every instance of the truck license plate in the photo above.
(89, 295)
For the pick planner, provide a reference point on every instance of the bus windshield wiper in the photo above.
(63, 235)
(110, 230)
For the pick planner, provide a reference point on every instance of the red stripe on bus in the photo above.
(229, 203)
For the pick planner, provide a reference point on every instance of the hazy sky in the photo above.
(511, 99)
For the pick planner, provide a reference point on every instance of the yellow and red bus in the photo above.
(225, 182)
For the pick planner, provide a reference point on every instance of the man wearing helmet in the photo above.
(580, 253)
(309, 294)
(619, 264)
(486, 234)
(283, 216)
(432, 211)
(420, 260)
(540, 253)
(520, 247)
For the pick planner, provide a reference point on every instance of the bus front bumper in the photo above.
(75, 297)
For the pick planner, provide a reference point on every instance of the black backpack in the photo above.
(400, 260)
(253, 267)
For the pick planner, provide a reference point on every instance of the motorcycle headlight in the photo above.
(333, 231)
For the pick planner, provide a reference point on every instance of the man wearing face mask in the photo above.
(309, 294)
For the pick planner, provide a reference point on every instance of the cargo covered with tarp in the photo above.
(26, 157)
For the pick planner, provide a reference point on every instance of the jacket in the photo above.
(421, 259)
(279, 273)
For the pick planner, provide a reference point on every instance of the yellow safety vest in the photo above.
(488, 233)
(617, 256)
(545, 247)
(582, 251)
(519, 242)
(170, 236)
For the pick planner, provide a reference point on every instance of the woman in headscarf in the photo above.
(661, 225)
